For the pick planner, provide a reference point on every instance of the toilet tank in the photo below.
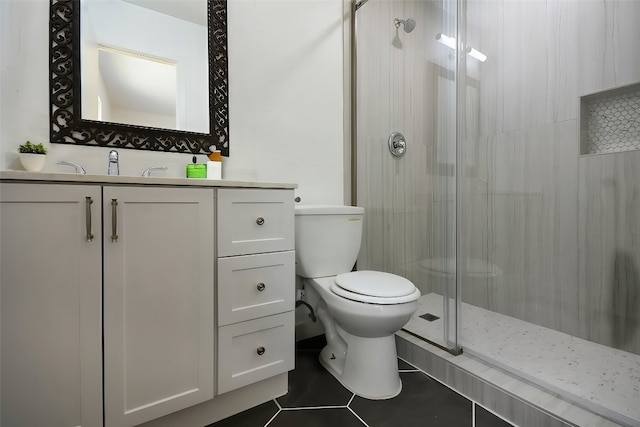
(327, 239)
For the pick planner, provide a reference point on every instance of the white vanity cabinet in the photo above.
(152, 256)
(256, 285)
(158, 301)
(124, 304)
(50, 305)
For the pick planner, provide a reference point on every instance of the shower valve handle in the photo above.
(397, 144)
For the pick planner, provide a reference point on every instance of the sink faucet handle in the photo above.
(79, 169)
(147, 172)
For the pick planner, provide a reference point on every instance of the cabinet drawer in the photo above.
(254, 221)
(252, 286)
(255, 350)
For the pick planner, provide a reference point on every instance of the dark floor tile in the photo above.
(404, 366)
(485, 418)
(422, 402)
(254, 417)
(312, 385)
(338, 417)
(316, 343)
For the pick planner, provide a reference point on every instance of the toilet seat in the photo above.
(374, 287)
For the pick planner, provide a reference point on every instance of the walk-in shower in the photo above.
(516, 206)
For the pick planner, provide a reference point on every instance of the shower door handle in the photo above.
(397, 144)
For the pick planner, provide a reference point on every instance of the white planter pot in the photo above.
(33, 162)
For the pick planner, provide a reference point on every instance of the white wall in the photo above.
(286, 96)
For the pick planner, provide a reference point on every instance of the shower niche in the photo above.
(610, 121)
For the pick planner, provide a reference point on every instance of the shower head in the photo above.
(409, 24)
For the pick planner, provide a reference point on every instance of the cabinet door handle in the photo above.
(114, 220)
(259, 220)
(88, 203)
(260, 351)
(261, 286)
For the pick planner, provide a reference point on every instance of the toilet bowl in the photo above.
(360, 311)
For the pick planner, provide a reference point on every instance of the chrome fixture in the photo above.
(147, 172)
(79, 169)
(397, 144)
(114, 164)
(409, 24)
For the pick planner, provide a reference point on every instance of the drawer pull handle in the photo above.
(261, 286)
(259, 220)
(114, 220)
(88, 203)
(260, 351)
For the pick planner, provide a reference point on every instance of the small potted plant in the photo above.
(32, 156)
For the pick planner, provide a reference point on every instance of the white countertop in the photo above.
(8, 175)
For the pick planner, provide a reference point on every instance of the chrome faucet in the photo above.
(147, 172)
(79, 169)
(114, 165)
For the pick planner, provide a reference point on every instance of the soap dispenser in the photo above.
(214, 165)
(196, 170)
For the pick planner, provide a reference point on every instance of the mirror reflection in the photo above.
(145, 63)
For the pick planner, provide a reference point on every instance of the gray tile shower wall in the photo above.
(558, 225)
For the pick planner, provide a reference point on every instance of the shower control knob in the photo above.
(259, 220)
(397, 144)
(261, 287)
(260, 351)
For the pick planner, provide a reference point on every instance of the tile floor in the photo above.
(316, 398)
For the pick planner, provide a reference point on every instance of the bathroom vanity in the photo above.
(164, 301)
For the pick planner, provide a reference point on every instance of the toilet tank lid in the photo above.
(328, 210)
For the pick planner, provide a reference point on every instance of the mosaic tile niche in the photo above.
(610, 121)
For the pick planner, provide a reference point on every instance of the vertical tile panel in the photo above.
(609, 223)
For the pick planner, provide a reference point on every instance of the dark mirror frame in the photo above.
(67, 125)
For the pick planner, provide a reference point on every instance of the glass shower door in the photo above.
(405, 81)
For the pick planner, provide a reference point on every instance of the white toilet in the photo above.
(361, 310)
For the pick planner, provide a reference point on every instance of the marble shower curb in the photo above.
(512, 398)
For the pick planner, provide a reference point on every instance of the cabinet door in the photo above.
(50, 305)
(158, 301)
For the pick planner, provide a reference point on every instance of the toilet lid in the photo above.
(375, 287)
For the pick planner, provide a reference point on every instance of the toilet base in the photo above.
(369, 368)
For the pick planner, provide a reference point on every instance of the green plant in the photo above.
(28, 147)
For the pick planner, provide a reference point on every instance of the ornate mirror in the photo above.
(179, 102)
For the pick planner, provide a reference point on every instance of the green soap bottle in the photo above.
(195, 170)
